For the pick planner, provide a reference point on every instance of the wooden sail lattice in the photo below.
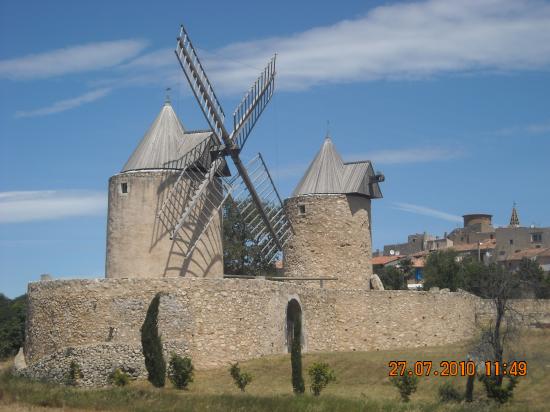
(199, 190)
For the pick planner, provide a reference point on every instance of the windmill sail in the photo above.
(253, 104)
(196, 76)
(272, 204)
(273, 233)
(198, 191)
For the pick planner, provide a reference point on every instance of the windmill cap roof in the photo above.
(164, 143)
(328, 174)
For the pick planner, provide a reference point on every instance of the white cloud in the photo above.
(540, 128)
(426, 211)
(530, 129)
(67, 104)
(412, 155)
(87, 57)
(379, 157)
(25, 206)
(289, 171)
(405, 40)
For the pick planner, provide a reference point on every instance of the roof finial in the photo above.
(167, 99)
(328, 128)
(514, 219)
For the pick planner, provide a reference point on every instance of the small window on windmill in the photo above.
(302, 209)
(124, 188)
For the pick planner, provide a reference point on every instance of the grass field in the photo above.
(362, 385)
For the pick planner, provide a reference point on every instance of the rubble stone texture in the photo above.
(332, 238)
(139, 244)
(216, 321)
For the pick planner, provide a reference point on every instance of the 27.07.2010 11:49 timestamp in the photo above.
(457, 368)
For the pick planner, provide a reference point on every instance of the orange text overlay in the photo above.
(457, 368)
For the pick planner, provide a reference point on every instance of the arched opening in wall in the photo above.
(293, 318)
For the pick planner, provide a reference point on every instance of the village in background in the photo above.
(478, 239)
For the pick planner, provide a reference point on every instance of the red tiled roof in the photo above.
(419, 254)
(384, 260)
(530, 253)
(486, 245)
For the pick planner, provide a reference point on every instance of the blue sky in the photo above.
(451, 101)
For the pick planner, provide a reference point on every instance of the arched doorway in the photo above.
(293, 317)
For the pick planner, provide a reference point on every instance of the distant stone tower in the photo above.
(330, 211)
(138, 243)
(514, 219)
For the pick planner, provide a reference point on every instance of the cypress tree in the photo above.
(151, 344)
(296, 358)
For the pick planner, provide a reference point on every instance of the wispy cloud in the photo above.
(426, 211)
(25, 206)
(64, 105)
(408, 40)
(290, 171)
(530, 129)
(411, 155)
(82, 58)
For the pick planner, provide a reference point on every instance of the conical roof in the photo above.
(328, 174)
(164, 142)
(324, 172)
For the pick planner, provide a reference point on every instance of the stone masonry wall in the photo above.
(530, 313)
(216, 321)
(332, 238)
(138, 242)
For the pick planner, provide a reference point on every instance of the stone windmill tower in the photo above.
(330, 211)
(139, 244)
(164, 214)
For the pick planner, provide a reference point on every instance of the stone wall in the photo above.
(216, 321)
(530, 313)
(138, 242)
(332, 238)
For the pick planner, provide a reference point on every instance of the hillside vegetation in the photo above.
(362, 384)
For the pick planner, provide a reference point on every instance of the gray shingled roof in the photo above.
(328, 173)
(164, 143)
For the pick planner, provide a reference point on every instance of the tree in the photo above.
(321, 375)
(241, 255)
(470, 271)
(13, 313)
(180, 371)
(442, 269)
(498, 285)
(406, 267)
(406, 385)
(152, 345)
(296, 358)
(241, 379)
(532, 280)
(393, 278)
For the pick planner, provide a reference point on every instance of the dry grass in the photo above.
(362, 384)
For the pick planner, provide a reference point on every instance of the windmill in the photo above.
(200, 190)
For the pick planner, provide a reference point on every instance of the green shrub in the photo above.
(119, 378)
(497, 390)
(298, 385)
(406, 385)
(180, 371)
(74, 374)
(321, 375)
(151, 344)
(448, 393)
(241, 379)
